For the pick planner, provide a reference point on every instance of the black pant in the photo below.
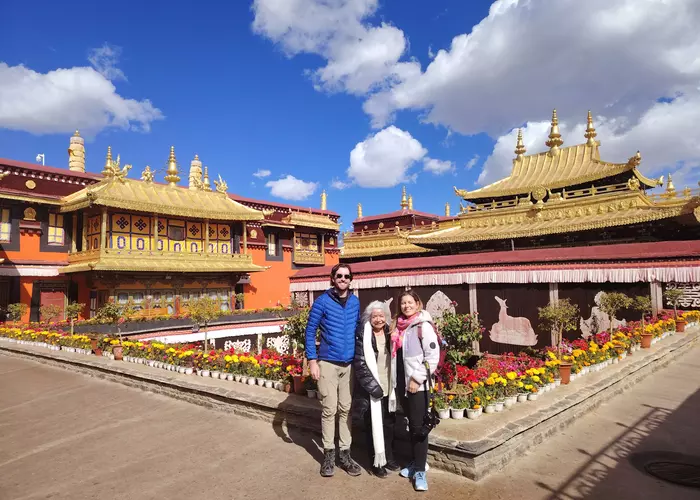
(388, 423)
(415, 407)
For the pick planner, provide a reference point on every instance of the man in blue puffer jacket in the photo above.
(336, 314)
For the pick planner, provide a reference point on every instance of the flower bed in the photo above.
(497, 383)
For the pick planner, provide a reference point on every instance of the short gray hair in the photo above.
(377, 305)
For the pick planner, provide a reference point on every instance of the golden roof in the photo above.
(565, 216)
(130, 194)
(170, 262)
(311, 220)
(370, 245)
(558, 167)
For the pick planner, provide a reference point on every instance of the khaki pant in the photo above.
(335, 387)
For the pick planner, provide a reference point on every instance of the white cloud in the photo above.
(104, 59)
(260, 174)
(528, 56)
(291, 188)
(384, 159)
(470, 164)
(67, 99)
(340, 185)
(359, 57)
(437, 167)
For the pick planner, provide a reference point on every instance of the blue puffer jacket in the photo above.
(337, 324)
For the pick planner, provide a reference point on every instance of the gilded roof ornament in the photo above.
(206, 185)
(670, 188)
(635, 160)
(324, 199)
(221, 186)
(447, 209)
(171, 175)
(462, 193)
(410, 202)
(519, 146)
(107, 170)
(555, 139)
(404, 200)
(195, 177)
(590, 132)
(147, 174)
(359, 210)
(267, 212)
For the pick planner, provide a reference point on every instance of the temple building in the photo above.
(564, 224)
(378, 237)
(67, 235)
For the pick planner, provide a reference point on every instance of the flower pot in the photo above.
(457, 413)
(533, 396)
(251, 380)
(522, 397)
(646, 340)
(243, 380)
(473, 414)
(490, 408)
(298, 384)
(189, 370)
(237, 378)
(510, 401)
(499, 406)
(680, 325)
(311, 393)
(181, 369)
(214, 374)
(444, 413)
(229, 377)
(98, 351)
(288, 387)
(205, 373)
(565, 373)
(279, 386)
(93, 345)
(269, 384)
(117, 351)
(260, 381)
(557, 382)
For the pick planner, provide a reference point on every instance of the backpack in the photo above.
(441, 342)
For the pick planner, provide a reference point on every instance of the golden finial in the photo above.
(554, 136)
(687, 192)
(404, 200)
(77, 133)
(359, 210)
(447, 209)
(635, 160)
(206, 186)
(147, 174)
(108, 168)
(519, 146)
(670, 188)
(221, 186)
(590, 131)
(172, 176)
(195, 177)
(410, 202)
(324, 200)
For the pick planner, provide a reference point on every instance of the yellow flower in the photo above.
(475, 385)
(511, 375)
(535, 378)
(494, 375)
(520, 384)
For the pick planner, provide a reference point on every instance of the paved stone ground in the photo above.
(69, 436)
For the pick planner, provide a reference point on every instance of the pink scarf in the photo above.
(402, 324)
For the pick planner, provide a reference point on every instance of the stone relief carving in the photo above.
(279, 344)
(512, 330)
(598, 321)
(438, 303)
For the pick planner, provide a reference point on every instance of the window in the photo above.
(57, 234)
(5, 225)
(271, 245)
(306, 241)
(176, 233)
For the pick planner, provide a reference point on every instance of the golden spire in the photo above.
(108, 168)
(359, 210)
(447, 209)
(554, 136)
(519, 146)
(172, 176)
(404, 201)
(670, 188)
(77, 133)
(590, 131)
(324, 199)
(206, 186)
(195, 177)
(76, 153)
(410, 202)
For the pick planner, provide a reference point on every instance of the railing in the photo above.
(307, 257)
(96, 254)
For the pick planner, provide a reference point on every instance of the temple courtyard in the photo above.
(69, 435)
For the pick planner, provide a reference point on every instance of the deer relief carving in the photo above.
(512, 330)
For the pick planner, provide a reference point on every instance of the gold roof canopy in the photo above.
(557, 168)
(149, 197)
(311, 220)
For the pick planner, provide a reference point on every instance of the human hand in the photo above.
(314, 369)
(413, 386)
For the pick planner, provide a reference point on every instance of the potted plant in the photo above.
(310, 386)
(203, 311)
(73, 310)
(611, 303)
(441, 406)
(48, 313)
(15, 312)
(111, 312)
(558, 317)
(295, 328)
(673, 297)
(461, 332)
(459, 404)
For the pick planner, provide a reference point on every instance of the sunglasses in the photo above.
(340, 276)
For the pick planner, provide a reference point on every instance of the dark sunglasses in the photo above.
(346, 276)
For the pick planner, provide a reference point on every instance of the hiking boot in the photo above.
(420, 481)
(328, 465)
(348, 464)
(392, 466)
(379, 472)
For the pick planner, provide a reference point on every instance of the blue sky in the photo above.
(293, 87)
